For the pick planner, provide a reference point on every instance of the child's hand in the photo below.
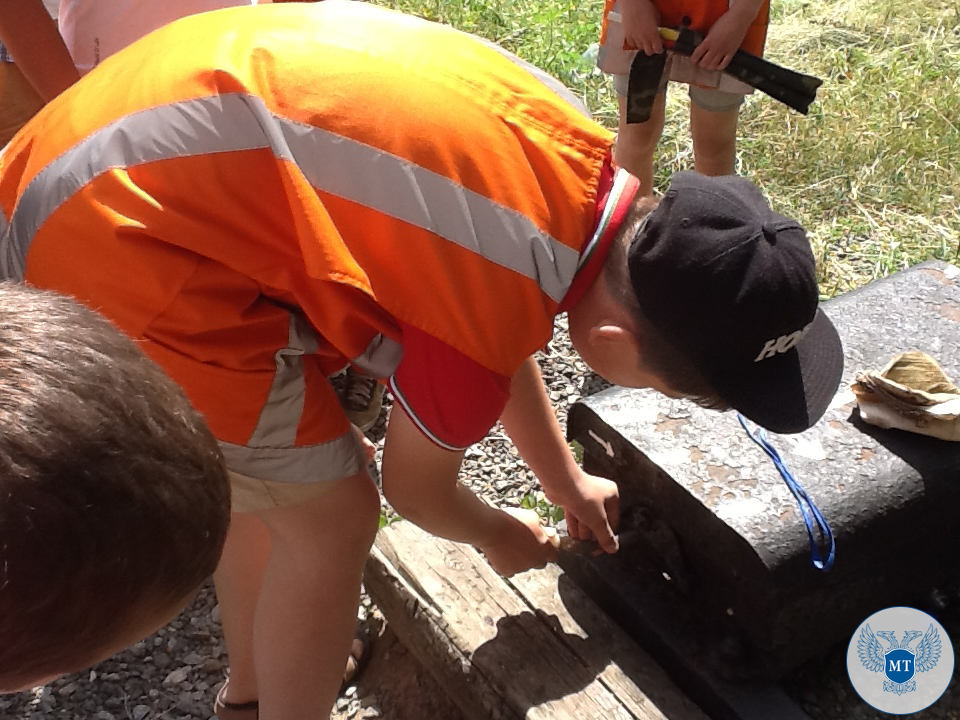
(722, 41)
(640, 26)
(594, 512)
(523, 543)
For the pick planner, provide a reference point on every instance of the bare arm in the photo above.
(31, 36)
(420, 481)
(726, 35)
(640, 19)
(591, 503)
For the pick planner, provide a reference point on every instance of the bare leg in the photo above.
(306, 611)
(714, 140)
(637, 142)
(237, 580)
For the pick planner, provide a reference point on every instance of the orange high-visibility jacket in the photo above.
(264, 194)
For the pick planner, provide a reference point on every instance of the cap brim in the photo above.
(790, 392)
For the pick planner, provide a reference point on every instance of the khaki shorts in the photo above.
(249, 495)
(704, 98)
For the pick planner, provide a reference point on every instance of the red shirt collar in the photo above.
(615, 192)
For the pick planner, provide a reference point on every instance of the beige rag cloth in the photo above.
(911, 393)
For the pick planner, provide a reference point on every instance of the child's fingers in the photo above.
(709, 59)
(647, 41)
(553, 540)
(716, 62)
(575, 529)
(606, 538)
(653, 44)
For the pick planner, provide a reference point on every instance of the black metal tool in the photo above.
(643, 84)
(788, 86)
(792, 88)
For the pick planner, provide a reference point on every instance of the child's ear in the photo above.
(613, 338)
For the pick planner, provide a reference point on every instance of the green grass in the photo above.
(873, 172)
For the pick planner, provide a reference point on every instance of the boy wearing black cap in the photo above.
(732, 286)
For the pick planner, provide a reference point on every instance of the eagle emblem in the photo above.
(898, 662)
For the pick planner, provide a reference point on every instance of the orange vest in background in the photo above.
(263, 194)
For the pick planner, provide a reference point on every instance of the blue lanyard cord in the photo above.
(811, 513)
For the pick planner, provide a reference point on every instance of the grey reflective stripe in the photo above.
(7, 269)
(546, 78)
(280, 416)
(221, 123)
(270, 453)
(327, 461)
(399, 188)
(381, 357)
(11, 260)
(384, 182)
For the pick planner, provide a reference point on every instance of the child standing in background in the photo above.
(715, 98)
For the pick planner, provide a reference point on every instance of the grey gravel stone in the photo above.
(176, 677)
(211, 665)
(193, 659)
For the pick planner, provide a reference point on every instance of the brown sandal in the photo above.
(356, 661)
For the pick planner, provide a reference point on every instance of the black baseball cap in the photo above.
(732, 285)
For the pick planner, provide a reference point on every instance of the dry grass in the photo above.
(874, 171)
